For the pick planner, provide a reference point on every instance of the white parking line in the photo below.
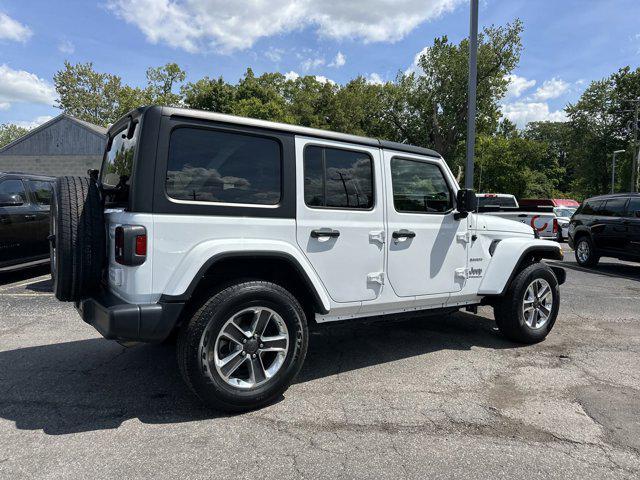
(43, 294)
(24, 283)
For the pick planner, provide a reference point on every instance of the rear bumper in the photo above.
(118, 320)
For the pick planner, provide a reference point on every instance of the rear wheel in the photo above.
(243, 348)
(530, 306)
(77, 238)
(585, 252)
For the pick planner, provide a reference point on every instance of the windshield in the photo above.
(504, 202)
(117, 166)
(564, 212)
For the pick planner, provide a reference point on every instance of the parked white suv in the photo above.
(237, 232)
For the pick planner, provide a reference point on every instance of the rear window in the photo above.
(633, 209)
(614, 207)
(503, 202)
(117, 166)
(227, 167)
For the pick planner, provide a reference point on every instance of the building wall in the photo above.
(53, 165)
(62, 137)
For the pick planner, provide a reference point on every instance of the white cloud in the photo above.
(5, 105)
(339, 61)
(33, 123)
(551, 89)
(11, 29)
(414, 67)
(518, 85)
(522, 113)
(311, 63)
(291, 75)
(323, 79)
(274, 54)
(374, 79)
(197, 25)
(21, 86)
(67, 47)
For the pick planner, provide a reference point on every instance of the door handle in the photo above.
(403, 234)
(325, 232)
(30, 217)
(626, 222)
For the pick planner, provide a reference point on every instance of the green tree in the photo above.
(10, 132)
(87, 94)
(161, 82)
(210, 94)
(429, 107)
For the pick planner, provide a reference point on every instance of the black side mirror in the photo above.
(8, 200)
(466, 201)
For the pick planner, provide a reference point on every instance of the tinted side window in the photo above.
(337, 178)
(419, 187)
(590, 208)
(228, 167)
(633, 208)
(13, 187)
(41, 191)
(614, 207)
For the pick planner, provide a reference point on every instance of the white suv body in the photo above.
(359, 228)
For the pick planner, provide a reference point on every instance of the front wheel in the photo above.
(243, 348)
(530, 306)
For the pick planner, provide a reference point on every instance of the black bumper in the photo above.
(118, 320)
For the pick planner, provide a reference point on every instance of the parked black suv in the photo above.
(606, 226)
(24, 220)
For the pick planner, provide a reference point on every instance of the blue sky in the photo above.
(567, 43)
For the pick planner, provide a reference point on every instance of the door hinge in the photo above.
(377, 236)
(376, 277)
(463, 237)
(462, 272)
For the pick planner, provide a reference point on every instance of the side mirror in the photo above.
(8, 200)
(466, 201)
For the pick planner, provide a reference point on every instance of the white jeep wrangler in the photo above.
(236, 233)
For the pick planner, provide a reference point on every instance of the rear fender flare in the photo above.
(195, 264)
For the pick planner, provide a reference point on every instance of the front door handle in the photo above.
(325, 232)
(403, 234)
(30, 217)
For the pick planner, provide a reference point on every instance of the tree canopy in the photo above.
(426, 106)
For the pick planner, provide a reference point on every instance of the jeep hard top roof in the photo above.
(282, 127)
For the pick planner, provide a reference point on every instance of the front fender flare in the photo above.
(507, 258)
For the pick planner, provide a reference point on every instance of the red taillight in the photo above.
(141, 245)
(555, 225)
(130, 245)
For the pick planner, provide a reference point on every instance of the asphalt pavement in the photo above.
(443, 397)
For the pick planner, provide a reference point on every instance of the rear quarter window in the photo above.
(225, 167)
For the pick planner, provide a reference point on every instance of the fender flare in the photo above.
(514, 253)
(176, 291)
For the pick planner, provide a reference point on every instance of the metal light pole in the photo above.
(613, 170)
(473, 78)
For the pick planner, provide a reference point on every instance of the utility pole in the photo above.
(636, 150)
(613, 170)
(473, 78)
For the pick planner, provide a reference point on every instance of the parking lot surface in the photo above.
(443, 397)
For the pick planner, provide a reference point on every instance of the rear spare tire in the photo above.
(77, 237)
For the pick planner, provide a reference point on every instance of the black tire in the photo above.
(77, 238)
(592, 257)
(203, 329)
(509, 314)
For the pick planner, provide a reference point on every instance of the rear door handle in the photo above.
(403, 234)
(30, 217)
(325, 232)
